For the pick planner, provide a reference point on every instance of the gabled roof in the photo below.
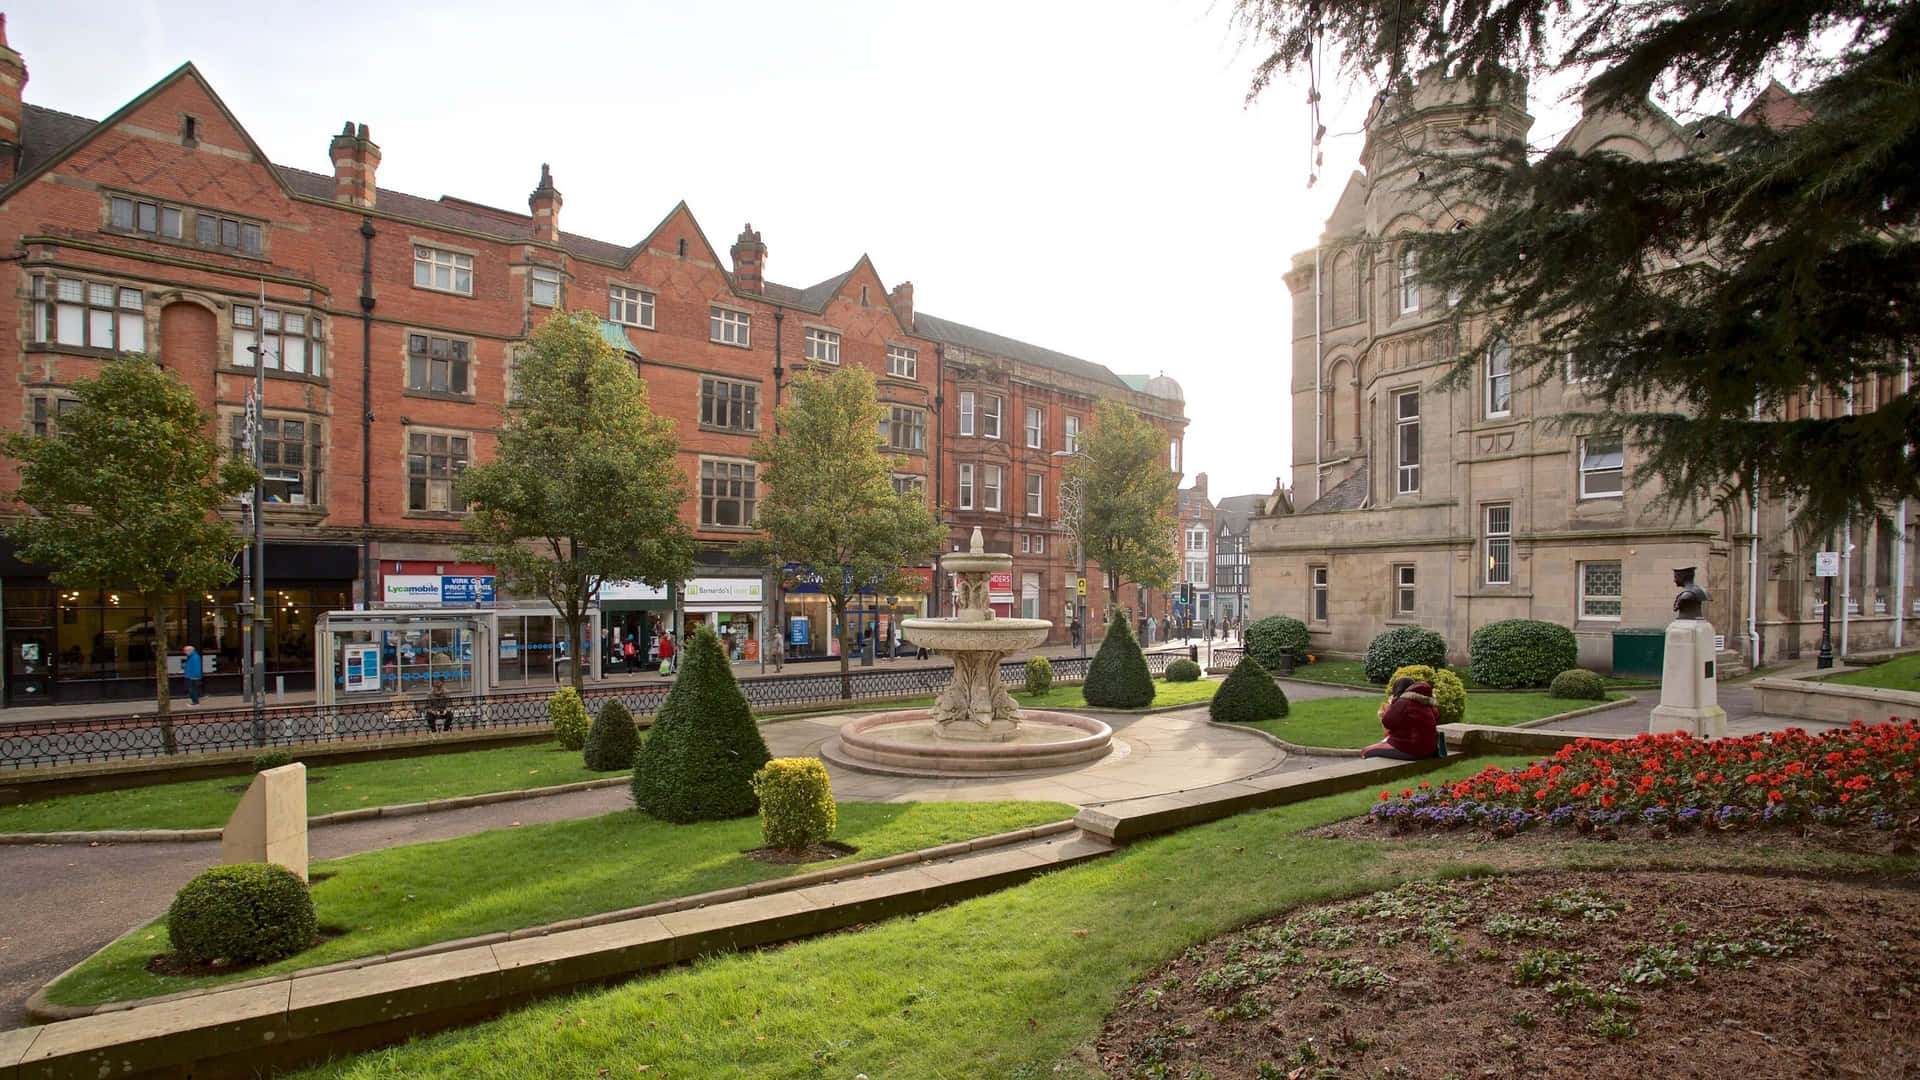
(1235, 511)
(1348, 494)
(968, 337)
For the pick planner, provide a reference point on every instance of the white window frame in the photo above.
(629, 306)
(1196, 539)
(992, 480)
(1318, 607)
(1589, 597)
(1499, 365)
(1406, 427)
(1497, 523)
(1406, 588)
(991, 406)
(1595, 467)
(272, 329)
(903, 362)
(1039, 545)
(1026, 544)
(1197, 573)
(966, 412)
(1036, 427)
(966, 485)
(1173, 455)
(1036, 495)
(1073, 434)
(543, 286)
(440, 270)
(78, 313)
(1408, 269)
(1576, 372)
(729, 327)
(748, 495)
(823, 345)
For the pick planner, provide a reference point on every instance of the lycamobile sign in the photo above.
(428, 590)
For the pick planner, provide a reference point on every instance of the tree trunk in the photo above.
(163, 703)
(574, 619)
(846, 676)
(1113, 593)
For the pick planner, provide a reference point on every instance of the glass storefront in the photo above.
(811, 632)
(737, 631)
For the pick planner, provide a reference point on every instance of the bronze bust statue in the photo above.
(1692, 597)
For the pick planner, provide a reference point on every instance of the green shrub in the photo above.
(1266, 637)
(1039, 676)
(796, 803)
(1248, 695)
(272, 759)
(1118, 677)
(613, 739)
(1521, 652)
(704, 747)
(1578, 684)
(569, 716)
(248, 913)
(1399, 647)
(1449, 694)
(1183, 670)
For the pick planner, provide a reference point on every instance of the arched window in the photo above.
(1499, 378)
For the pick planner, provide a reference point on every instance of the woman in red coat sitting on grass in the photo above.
(1412, 724)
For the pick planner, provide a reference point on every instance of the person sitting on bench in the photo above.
(439, 710)
(1412, 725)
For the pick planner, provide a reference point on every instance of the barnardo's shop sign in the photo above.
(427, 590)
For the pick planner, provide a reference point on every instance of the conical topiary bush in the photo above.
(1118, 677)
(613, 739)
(704, 747)
(1248, 695)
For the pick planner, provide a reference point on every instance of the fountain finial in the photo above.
(979, 545)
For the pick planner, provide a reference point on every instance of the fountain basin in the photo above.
(908, 741)
(954, 635)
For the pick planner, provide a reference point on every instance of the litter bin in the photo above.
(1286, 661)
(1639, 652)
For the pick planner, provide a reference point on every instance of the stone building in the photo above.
(1455, 506)
(386, 324)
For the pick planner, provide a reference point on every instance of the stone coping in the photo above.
(238, 1030)
(318, 821)
(1817, 701)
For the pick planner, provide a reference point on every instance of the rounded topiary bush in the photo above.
(248, 913)
(1399, 647)
(1248, 695)
(272, 759)
(569, 716)
(1266, 637)
(796, 803)
(704, 747)
(1578, 684)
(1521, 652)
(613, 739)
(1449, 693)
(1039, 676)
(1118, 677)
(1183, 670)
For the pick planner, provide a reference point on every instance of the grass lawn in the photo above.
(1351, 673)
(506, 879)
(1902, 673)
(1354, 722)
(204, 804)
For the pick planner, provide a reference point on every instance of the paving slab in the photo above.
(160, 1037)
(13, 1047)
(384, 993)
(541, 964)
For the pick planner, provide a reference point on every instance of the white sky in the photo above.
(1077, 174)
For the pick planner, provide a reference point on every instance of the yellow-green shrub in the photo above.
(1449, 694)
(569, 716)
(796, 803)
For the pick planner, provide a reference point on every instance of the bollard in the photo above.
(1193, 653)
(280, 687)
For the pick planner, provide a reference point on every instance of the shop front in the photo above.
(811, 632)
(401, 651)
(73, 645)
(632, 611)
(732, 606)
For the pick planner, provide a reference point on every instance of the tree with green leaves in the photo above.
(1703, 295)
(125, 496)
(828, 505)
(584, 486)
(1118, 500)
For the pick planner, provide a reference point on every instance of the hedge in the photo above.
(1118, 677)
(247, 913)
(1521, 652)
(1449, 694)
(1399, 647)
(1248, 695)
(700, 756)
(1266, 637)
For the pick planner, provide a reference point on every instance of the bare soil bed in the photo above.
(1547, 974)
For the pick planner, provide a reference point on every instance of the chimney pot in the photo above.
(902, 297)
(355, 161)
(545, 204)
(750, 262)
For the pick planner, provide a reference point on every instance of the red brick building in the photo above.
(386, 323)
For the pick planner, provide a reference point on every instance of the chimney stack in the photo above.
(1200, 484)
(13, 83)
(902, 297)
(355, 159)
(750, 262)
(545, 204)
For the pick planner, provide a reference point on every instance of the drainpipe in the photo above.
(1319, 435)
(1900, 549)
(939, 470)
(366, 412)
(1753, 563)
(1846, 561)
(776, 588)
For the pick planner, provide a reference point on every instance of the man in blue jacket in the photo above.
(195, 671)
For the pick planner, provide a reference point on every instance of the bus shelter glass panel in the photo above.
(527, 649)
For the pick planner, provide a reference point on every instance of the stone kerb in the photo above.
(1826, 703)
(270, 824)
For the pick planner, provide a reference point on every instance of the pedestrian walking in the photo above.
(666, 652)
(194, 668)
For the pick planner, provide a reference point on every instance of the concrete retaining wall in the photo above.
(1827, 703)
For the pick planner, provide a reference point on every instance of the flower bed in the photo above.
(1864, 774)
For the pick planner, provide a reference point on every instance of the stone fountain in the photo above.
(974, 727)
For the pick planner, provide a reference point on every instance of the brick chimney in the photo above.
(355, 159)
(902, 297)
(13, 82)
(750, 262)
(545, 204)
(1200, 483)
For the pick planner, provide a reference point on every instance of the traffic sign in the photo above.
(1826, 564)
(1080, 587)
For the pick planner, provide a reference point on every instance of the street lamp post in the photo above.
(1080, 584)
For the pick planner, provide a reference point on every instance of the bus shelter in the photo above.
(398, 652)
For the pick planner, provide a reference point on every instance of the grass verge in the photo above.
(1352, 673)
(404, 897)
(1353, 722)
(1901, 673)
(206, 804)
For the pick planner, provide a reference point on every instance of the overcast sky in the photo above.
(1081, 175)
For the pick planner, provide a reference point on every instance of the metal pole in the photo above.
(259, 518)
(1826, 630)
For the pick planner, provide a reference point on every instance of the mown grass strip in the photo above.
(1353, 722)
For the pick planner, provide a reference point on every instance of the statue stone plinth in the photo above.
(1689, 693)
